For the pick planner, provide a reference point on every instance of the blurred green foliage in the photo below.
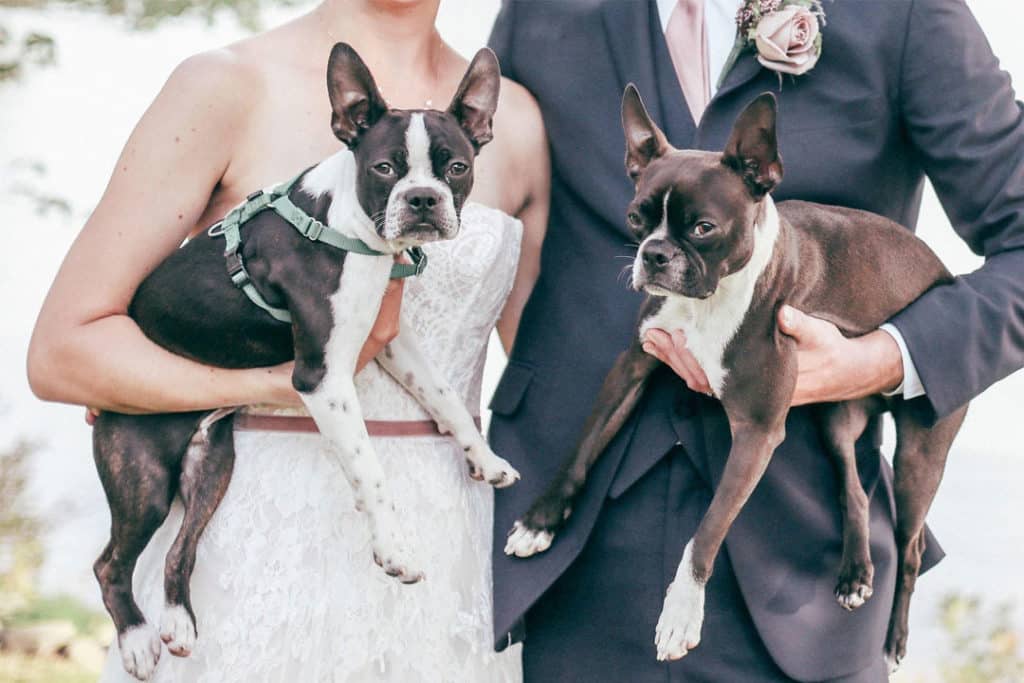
(15, 668)
(984, 644)
(86, 620)
(20, 550)
(36, 48)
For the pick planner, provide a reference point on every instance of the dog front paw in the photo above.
(535, 532)
(682, 617)
(525, 542)
(854, 586)
(484, 465)
(396, 565)
(140, 650)
(392, 557)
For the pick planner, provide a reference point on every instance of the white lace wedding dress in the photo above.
(285, 588)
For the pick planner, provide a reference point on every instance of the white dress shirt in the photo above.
(720, 24)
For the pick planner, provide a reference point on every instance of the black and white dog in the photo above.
(719, 259)
(401, 182)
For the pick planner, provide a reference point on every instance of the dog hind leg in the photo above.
(919, 463)
(842, 424)
(136, 457)
(205, 474)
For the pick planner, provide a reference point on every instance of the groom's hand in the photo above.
(670, 349)
(831, 367)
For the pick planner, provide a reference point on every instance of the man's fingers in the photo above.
(652, 349)
(698, 381)
(792, 321)
(659, 337)
(670, 348)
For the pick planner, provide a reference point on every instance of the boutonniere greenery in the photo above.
(785, 33)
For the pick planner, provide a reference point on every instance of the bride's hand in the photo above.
(386, 327)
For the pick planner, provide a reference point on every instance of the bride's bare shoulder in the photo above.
(513, 169)
(519, 116)
(520, 141)
(244, 68)
(219, 77)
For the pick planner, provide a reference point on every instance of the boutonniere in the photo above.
(785, 33)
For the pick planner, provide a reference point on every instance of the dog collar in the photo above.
(277, 200)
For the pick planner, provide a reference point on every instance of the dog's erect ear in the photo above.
(753, 149)
(476, 100)
(355, 100)
(644, 140)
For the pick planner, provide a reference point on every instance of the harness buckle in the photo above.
(254, 195)
(419, 259)
(313, 229)
(233, 261)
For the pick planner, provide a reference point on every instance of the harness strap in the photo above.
(277, 200)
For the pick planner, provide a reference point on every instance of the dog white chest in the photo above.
(355, 306)
(710, 324)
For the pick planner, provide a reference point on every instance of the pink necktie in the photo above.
(688, 44)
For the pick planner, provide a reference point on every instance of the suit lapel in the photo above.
(742, 72)
(627, 26)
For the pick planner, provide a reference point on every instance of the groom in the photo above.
(904, 89)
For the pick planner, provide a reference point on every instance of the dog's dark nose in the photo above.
(422, 199)
(657, 253)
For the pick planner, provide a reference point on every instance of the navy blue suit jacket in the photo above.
(904, 89)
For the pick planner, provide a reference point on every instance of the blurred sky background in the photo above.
(73, 118)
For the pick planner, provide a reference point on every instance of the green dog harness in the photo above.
(276, 199)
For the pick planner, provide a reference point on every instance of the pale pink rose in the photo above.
(786, 40)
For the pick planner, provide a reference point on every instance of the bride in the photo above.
(285, 588)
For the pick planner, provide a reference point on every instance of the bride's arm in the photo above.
(85, 349)
(529, 161)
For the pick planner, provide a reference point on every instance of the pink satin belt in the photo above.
(304, 424)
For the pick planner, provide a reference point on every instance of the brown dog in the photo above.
(719, 259)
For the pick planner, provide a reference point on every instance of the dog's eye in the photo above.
(702, 229)
(457, 169)
(635, 219)
(385, 169)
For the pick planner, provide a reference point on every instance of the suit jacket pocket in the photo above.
(512, 387)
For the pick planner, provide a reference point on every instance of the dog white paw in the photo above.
(893, 663)
(856, 597)
(484, 465)
(140, 650)
(682, 615)
(524, 542)
(391, 555)
(853, 587)
(177, 631)
(395, 564)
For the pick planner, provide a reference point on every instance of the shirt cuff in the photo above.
(911, 387)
